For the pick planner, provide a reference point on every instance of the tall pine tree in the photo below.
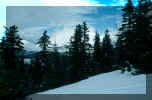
(75, 51)
(44, 41)
(106, 53)
(12, 76)
(12, 47)
(143, 39)
(80, 50)
(85, 40)
(41, 60)
(86, 69)
(125, 42)
(97, 48)
(96, 58)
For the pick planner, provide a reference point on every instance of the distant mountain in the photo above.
(29, 54)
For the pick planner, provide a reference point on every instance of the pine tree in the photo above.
(85, 58)
(2, 44)
(41, 60)
(56, 58)
(44, 41)
(106, 52)
(85, 40)
(12, 48)
(97, 53)
(12, 76)
(97, 48)
(75, 51)
(125, 42)
(143, 49)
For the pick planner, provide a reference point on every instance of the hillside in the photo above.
(108, 83)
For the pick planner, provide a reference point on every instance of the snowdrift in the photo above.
(108, 83)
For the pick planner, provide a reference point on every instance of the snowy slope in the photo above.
(107, 83)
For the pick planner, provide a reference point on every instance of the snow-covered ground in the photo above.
(108, 83)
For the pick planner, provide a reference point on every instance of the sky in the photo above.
(59, 21)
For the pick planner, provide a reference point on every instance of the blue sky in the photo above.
(28, 19)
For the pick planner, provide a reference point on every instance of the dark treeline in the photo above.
(134, 38)
(50, 68)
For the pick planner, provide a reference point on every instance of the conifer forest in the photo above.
(23, 73)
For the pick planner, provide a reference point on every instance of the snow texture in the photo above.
(108, 83)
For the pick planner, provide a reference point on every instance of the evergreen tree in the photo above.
(1, 51)
(44, 41)
(12, 48)
(75, 51)
(106, 53)
(41, 60)
(96, 60)
(80, 51)
(85, 40)
(56, 58)
(12, 77)
(97, 48)
(143, 39)
(85, 52)
(125, 42)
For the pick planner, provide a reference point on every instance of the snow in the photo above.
(108, 83)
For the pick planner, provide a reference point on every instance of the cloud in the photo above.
(62, 36)
(112, 32)
(91, 34)
(30, 46)
(32, 34)
(115, 18)
(56, 16)
(59, 21)
(6, 3)
(113, 36)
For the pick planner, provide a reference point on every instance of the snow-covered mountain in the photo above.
(108, 83)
